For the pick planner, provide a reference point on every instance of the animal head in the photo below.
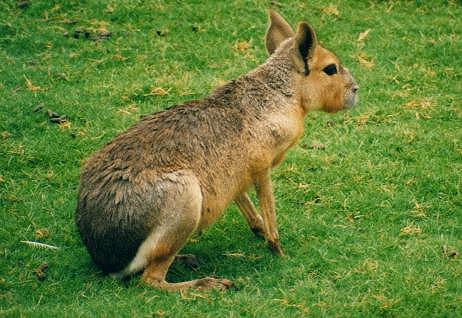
(322, 82)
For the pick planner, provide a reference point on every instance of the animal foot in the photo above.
(276, 248)
(208, 283)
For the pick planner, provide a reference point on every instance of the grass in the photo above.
(369, 203)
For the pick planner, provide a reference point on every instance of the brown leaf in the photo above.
(365, 61)
(64, 124)
(158, 91)
(40, 233)
(58, 119)
(331, 10)
(410, 230)
(242, 46)
(362, 119)
(330, 123)
(40, 271)
(419, 103)
(449, 253)
(102, 33)
(317, 146)
(5, 134)
(109, 9)
(31, 87)
(363, 35)
(128, 110)
(119, 57)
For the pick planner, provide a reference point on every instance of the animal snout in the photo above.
(355, 88)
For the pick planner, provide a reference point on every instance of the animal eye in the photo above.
(330, 69)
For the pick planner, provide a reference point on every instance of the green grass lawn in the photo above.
(369, 203)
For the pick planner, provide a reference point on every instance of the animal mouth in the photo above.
(351, 101)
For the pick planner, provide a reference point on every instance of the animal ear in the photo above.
(304, 45)
(278, 31)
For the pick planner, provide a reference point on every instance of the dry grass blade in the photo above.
(40, 245)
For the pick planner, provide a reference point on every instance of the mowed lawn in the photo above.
(369, 202)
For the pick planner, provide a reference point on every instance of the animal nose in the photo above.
(355, 88)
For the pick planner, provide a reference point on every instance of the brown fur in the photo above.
(176, 171)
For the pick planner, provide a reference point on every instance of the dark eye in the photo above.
(330, 69)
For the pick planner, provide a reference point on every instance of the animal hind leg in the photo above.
(179, 217)
(155, 272)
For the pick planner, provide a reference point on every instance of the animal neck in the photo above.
(277, 74)
(269, 86)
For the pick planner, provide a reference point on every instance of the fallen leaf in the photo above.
(40, 271)
(410, 230)
(365, 61)
(119, 57)
(331, 10)
(449, 253)
(56, 118)
(220, 82)
(242, 46)
(419, 103)
(330, 123)
(40, 233)
(65, 124)
(130, 109)
(6, 134)
(362, 119)
(419, 210)
(158, 91)
(62, 76)
(31, 87)
(317, 146)
(56, 8)
(102, 34)
(363, 35)
(371, 265)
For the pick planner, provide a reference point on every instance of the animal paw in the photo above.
(208, 283)
(276, 248)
